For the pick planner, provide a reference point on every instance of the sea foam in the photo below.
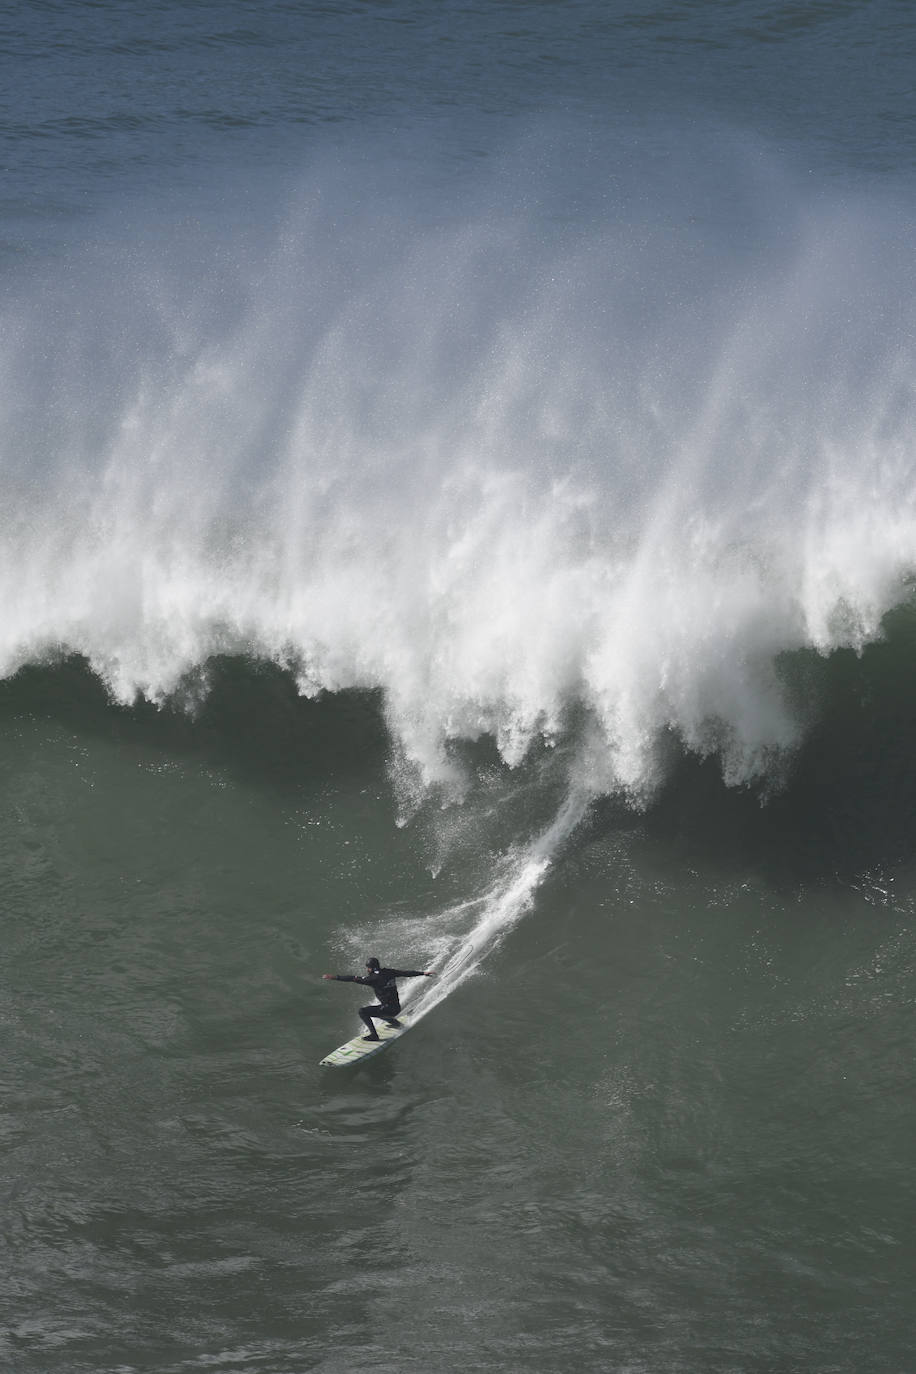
(509, 466)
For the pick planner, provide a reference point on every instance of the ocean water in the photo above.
(458, 505)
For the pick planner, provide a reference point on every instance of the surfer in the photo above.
(383, 983)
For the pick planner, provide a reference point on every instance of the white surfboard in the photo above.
(357, 1049)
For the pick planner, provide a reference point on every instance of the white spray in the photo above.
(461, 937)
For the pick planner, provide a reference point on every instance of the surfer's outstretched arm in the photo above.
(355, 978)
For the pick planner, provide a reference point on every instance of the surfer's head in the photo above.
(373, 965)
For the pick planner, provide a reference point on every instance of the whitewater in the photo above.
(521, 480)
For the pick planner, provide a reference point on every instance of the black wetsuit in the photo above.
(383, 984)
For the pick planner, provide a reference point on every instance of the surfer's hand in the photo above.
(429, 975)
(329, 977)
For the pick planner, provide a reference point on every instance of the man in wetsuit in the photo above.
(382, 982)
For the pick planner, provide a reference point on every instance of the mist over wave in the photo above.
(602, 450)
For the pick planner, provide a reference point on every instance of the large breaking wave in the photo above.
(513, 464)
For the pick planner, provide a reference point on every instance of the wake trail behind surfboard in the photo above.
(459, 952)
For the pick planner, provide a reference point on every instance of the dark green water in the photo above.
(458, 505)
(669, 1127)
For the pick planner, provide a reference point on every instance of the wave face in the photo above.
(522, 459)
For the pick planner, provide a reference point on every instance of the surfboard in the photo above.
(358, 1049)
